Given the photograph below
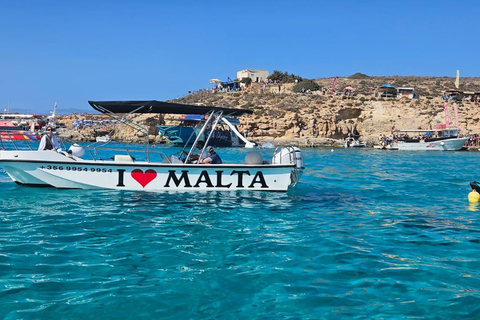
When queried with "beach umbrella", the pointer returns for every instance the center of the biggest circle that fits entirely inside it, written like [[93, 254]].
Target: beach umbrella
[[215, 81], [348, 88]]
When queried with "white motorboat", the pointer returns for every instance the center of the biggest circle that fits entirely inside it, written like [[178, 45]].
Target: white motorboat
[[105, 138], [440, 139], [392, 146], [151, 170], [353, 142]]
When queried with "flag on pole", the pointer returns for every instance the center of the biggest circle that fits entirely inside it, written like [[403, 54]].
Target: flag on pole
[[455, 109], [447, 118], [334, 84]]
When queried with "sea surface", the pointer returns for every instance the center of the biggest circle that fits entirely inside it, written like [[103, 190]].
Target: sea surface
[[366, 234]]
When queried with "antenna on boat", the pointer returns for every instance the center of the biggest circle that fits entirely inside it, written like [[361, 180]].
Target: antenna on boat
[[54, 113]]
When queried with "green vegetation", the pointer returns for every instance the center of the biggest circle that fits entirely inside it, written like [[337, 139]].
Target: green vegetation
[[247, 81], [284, 77], [400, 83], [358, 75], [306, 85]]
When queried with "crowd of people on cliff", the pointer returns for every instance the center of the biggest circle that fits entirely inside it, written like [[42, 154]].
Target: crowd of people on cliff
[[94, 124], [467, 98]]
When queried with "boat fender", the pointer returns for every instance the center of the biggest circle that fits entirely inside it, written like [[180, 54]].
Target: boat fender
[[473, 196], [253, 157], [76, 150]]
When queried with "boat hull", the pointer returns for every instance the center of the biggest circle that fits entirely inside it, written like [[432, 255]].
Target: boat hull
[[475, 186], [439, 145], [69, 172]]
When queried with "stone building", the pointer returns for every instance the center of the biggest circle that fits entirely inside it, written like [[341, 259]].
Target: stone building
[[255, 74]]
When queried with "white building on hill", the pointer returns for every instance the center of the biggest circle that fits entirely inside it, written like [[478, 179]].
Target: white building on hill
[[255, 74]]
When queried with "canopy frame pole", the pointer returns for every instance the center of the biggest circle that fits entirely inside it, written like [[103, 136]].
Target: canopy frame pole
[[129, 123]]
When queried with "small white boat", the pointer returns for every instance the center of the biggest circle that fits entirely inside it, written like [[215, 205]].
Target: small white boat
[[353, 142], [151, 170], [392, 146], [106, 138]]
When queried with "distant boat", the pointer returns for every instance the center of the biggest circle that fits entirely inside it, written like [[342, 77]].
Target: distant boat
[[353, 142], [18, 129], [105, 138], [16, 126], [185, 133], [440, 138], [386, 147], [9, 135]]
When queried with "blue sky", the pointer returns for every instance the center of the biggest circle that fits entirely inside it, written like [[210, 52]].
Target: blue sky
[[75, 51]]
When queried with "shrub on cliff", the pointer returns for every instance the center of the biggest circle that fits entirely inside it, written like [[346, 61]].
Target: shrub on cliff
[[358, 75], [284, 77], [247, 81], [306, 85]]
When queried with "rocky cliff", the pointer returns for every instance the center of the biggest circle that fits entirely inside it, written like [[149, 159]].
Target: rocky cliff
[[317, 119]]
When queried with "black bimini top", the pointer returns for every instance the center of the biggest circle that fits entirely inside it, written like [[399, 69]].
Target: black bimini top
[[153, 106]]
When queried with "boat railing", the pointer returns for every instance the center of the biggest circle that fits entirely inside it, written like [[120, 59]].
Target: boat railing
[[96, 153], [121, 154], [11, 143]]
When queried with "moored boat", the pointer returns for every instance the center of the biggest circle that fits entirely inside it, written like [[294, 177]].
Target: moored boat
[[353, 142], [19, 135], [226, 133], [151, 170], [104, 138], [475, 186], [440, 139]]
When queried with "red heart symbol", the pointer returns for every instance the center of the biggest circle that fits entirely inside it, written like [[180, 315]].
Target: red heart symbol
[[144, 178]]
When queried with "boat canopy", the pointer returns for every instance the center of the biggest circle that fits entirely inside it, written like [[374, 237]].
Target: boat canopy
[[153, 106]]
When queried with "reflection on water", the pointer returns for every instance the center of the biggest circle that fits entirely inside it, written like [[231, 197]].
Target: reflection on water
[[473, 206]]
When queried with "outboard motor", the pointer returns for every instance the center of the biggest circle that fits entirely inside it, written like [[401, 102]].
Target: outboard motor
[[288, 155]]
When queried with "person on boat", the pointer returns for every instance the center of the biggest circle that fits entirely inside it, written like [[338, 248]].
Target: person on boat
[[49, 141], [213, 157], [196, 157]]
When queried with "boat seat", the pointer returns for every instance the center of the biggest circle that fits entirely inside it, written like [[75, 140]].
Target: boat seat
[[123, 157]]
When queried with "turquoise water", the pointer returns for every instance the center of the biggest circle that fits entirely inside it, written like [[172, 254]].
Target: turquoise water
[[366, 234]]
